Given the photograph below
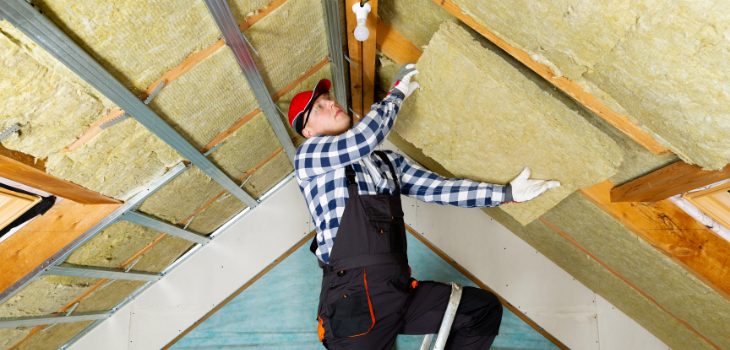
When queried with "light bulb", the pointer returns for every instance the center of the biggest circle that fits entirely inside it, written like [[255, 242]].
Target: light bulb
[[361, 33], [361, 13]]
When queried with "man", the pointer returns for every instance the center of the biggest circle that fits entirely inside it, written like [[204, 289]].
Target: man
[[353, 193]]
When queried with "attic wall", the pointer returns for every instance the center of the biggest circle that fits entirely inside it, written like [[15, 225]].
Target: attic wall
[[678, 291], [485, 120], [661, 62], [594, 276]]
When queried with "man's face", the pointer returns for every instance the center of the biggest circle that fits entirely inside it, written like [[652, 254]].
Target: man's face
[[327, 117]]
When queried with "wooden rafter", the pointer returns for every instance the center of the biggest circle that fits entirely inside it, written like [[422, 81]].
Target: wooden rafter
[[368, 59], [355, 53], [674, 233], [395, 47], [22, 168], [42, 237], [671, 180], [569, 87]]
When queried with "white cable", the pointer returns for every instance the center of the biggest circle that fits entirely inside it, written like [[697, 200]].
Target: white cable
[[696, 213]]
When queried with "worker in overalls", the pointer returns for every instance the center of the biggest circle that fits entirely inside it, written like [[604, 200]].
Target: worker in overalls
[[353, 193]]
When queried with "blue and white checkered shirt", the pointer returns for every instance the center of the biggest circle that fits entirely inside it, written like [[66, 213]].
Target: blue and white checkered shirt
[[320, 168]]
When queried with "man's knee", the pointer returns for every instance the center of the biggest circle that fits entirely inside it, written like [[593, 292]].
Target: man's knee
[[484, 308]]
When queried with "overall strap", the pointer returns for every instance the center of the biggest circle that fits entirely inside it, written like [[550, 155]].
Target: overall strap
[[386, 160], [350, 174]]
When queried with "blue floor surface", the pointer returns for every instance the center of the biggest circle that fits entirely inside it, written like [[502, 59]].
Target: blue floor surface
[[279, 310]]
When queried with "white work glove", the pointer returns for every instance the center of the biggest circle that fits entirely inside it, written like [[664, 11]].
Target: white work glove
[[402, 84], [524, 189]]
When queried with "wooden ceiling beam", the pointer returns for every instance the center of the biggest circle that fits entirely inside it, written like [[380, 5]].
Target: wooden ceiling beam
[[674, 233], [45, 235], [355, 54], [396, 47], [571, 88], [666, 182], [22, 168], [368, 59]]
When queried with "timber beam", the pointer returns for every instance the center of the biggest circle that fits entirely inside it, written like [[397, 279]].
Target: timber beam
[[666, 182]]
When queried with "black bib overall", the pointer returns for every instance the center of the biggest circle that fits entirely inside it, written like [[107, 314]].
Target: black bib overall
[[366, 282]]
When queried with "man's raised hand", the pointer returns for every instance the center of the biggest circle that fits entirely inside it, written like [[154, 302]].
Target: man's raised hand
[[402, 84], [524, 189]]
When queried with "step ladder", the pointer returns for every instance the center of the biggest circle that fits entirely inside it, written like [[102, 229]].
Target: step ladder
[[447, 321]]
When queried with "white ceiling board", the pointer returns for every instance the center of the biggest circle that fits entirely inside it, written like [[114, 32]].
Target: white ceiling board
[[619, 331], [113, 333], [212, 274]]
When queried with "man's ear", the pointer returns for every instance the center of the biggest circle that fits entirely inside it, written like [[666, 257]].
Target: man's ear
[[307, 133]]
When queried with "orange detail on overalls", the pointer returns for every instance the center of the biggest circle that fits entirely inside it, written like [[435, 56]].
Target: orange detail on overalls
[[414, 284], [372, 315], [320, 330]]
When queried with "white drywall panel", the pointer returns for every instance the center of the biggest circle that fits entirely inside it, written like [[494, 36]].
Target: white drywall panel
[[209, 276], [618, 331]]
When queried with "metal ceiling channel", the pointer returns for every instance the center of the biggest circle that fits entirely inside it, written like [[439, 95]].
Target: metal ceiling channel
[[332, 17], [100, 272], [61, 255], [179, 261], [234, 39], [32, 321], [157, 225], [43, 32]]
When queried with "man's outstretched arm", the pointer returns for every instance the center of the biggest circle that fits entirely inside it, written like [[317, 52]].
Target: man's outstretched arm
[[430, 187]]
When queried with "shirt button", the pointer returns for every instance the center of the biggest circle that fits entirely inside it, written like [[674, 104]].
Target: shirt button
[[332, 268], [332, 284]]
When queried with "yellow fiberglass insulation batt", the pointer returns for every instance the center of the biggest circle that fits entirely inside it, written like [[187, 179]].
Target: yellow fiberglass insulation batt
[[484, 120], [663, 63], [50, 110], [139, 41], [113, 246], [289, 41], [119, 162], [207, 99]]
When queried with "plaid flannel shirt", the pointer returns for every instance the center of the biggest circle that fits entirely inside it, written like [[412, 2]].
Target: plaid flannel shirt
[[320, 169]]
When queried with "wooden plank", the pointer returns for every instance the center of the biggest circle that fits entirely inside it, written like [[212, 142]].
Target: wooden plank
[[33, 177], [674, 233], [355, 51], [45, 235], [368, 59], [93, 130], [23, 158], [626, 280], [286, 254], [481, 285], [671, 180], [621, 122], [396, 47]]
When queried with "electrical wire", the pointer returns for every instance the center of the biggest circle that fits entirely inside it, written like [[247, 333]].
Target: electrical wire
[[362, 3]]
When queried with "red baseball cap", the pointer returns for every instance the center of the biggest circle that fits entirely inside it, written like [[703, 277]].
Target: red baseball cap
[[303, 102]]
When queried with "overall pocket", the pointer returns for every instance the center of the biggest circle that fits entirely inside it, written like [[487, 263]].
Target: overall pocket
[[352, 314]]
